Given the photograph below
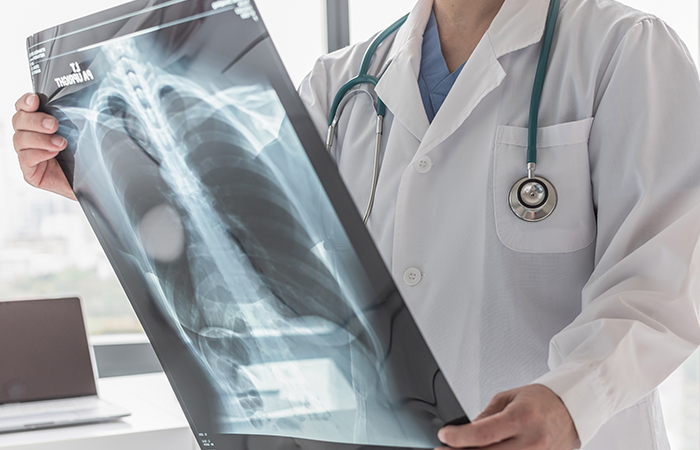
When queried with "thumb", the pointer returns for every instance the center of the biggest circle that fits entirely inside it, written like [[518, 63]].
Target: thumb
[[496, 405]]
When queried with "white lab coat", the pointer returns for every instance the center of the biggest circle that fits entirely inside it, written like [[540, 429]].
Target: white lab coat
[[600, 301]]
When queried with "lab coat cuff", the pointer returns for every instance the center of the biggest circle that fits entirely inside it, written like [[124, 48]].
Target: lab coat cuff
[[584, 393]]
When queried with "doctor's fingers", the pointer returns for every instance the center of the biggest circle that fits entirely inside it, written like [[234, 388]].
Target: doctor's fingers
[[34, 121], [533, 418], [41, 170], [518, 443], [25, 140], [496, 405], [485, 432], [27, 102], [30, 158]]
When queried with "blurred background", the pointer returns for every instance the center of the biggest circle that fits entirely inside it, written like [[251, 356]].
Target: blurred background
[[48, 249]]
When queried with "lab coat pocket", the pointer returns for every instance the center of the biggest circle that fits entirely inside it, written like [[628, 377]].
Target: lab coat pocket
[[562, 158]]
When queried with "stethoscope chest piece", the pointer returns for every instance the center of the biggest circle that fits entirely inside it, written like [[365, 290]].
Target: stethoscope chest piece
[[532, 198]]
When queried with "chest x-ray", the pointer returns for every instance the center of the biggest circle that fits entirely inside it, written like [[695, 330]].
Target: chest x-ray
[[232, 233]]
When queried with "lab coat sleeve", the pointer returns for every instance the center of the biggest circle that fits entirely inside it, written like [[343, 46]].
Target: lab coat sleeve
[[639, 320]]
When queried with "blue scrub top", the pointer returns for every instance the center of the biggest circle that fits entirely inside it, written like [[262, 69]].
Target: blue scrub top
[[434, 79]]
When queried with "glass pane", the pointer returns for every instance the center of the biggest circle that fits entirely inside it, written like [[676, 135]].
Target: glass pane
[[298, 30], [49, 250], [366, 19], [680, 399], [681, 15]]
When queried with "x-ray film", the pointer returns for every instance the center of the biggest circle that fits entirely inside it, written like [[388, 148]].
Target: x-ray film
[[233, 235]]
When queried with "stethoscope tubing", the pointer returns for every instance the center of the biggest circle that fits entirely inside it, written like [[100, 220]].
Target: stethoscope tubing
[[363, 76], [530, 214], [540, 75]]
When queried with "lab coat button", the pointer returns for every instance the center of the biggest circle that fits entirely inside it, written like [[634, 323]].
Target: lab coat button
[[423, 165], [412, 276]]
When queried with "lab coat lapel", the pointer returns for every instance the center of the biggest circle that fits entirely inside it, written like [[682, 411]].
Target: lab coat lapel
[[517, 25], [481, 74], [398, 86]]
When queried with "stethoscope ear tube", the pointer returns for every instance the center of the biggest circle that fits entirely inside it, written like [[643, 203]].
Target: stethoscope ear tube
[[364, 78], [380, 109]]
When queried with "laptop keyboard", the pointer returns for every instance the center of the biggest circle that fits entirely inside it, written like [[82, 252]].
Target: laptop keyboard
[[46, 407]]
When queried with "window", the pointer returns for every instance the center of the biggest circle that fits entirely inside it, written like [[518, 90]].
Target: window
[[298, 30], [681, 15], [366, 19], [680, 400]]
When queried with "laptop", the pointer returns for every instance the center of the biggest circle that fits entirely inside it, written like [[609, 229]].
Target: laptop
[[234, 237], [47, 376]]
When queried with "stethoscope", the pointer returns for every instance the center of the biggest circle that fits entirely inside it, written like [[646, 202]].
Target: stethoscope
[[532, 198]]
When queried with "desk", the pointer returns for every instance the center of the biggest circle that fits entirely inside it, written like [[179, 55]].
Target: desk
[[156, 422]]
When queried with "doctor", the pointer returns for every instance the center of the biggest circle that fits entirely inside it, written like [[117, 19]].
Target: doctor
[[554, 333], [597, 303]]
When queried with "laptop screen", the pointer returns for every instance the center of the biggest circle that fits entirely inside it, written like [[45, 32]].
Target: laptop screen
[[44, 351]]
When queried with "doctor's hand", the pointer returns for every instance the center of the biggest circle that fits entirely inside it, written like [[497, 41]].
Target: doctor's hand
[[37, 146], [530, 417]]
